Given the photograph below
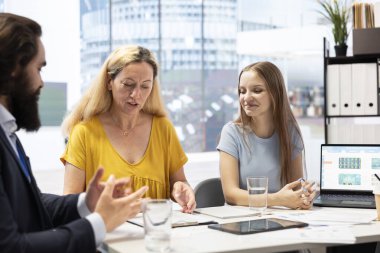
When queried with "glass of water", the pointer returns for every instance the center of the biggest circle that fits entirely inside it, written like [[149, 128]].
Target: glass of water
[[257, 188], [157, 215]]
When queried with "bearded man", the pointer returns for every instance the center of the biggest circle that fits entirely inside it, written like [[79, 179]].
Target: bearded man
[[31, 221]]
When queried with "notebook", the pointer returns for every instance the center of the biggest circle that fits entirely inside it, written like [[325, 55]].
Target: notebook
[[179, 219], [227, 211], [345, 176]]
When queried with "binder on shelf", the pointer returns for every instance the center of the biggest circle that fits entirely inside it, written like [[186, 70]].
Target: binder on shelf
[[363, 15], [370, 133], [371, 95], [332, 129], [358, 88], [333, 90], [376, 10], [364, 89], [357, 134], [345, 83]]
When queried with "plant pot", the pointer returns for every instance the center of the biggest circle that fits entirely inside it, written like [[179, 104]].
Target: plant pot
[[340, 50]]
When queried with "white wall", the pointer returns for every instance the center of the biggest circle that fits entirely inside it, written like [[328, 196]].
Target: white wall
[[60, 34]]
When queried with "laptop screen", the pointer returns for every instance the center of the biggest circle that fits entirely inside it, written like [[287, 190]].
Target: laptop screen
[[349, 167]]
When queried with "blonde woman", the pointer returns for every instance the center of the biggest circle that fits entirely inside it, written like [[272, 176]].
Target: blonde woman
[[265, 140], [121, 124]]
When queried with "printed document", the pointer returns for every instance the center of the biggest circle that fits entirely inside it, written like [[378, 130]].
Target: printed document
[[227, 211], [179, 219]]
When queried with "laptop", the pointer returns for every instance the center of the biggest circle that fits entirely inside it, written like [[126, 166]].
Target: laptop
[[346, 173]]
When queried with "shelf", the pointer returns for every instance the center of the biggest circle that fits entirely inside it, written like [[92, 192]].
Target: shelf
[[352, 116], [359, 128], [353, 59]]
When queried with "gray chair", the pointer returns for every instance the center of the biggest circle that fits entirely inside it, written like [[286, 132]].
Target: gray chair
[[209, 193]]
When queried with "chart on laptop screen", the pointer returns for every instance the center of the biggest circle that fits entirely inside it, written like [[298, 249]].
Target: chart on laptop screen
[[346, 167]]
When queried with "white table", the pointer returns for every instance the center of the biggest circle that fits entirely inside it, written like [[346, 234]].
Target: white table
[[130, 238]]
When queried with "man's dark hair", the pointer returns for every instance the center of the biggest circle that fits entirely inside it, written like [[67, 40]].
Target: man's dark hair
[[18, 46]]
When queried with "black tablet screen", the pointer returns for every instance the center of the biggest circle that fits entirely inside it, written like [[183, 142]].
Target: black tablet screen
[[257, 226]]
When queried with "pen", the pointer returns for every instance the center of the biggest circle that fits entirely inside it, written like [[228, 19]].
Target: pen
[[303, 181], [195, 224], [378, 178]]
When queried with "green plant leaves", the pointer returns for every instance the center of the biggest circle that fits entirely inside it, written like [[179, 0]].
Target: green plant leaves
[[337, 13]]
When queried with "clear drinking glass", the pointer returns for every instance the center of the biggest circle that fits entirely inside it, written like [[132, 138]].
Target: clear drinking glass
[[257, 188], [157, 214]]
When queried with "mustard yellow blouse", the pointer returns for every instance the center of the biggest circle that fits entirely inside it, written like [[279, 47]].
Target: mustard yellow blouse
[[89, 147]]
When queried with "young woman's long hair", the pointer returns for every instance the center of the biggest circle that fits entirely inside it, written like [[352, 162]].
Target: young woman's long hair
[[98, 99], [283, 117]]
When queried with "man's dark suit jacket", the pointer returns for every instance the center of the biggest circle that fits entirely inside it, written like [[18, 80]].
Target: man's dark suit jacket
[[31, 221]]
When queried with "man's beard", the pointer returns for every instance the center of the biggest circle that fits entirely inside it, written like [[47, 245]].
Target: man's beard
[[23, 104]]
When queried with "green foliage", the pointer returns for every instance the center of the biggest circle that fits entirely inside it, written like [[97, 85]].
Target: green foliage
[[337, 13]]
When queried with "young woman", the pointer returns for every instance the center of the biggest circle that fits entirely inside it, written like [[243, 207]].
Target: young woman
[[264, 141]]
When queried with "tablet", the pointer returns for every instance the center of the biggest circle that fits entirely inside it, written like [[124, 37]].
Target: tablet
[[257, 226]]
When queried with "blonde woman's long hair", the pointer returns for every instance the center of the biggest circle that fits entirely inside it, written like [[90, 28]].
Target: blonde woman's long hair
[[98, 99], [283, 117]]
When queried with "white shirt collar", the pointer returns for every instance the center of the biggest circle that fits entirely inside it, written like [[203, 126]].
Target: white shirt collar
[[7, 121]]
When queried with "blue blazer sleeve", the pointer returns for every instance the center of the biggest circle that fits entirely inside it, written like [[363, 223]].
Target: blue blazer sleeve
[[34, 222], [61, 209]]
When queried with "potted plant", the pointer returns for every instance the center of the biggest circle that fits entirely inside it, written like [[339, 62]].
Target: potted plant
[[337, 13]]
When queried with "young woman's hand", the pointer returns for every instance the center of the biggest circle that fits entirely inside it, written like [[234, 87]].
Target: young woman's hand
[[290, 197], [311, 191]]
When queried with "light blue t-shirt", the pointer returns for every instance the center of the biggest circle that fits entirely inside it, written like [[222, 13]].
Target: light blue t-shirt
[[261, 158]]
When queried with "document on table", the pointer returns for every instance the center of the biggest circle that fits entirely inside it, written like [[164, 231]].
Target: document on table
[[225, 212], [327, 234], [332, 216], [179, 219], [320, 234]]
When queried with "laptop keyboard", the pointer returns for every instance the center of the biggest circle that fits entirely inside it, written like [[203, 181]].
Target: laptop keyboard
[[344, 197]]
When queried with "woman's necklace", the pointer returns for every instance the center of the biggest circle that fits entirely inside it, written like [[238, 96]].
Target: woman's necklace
[[123, 132]]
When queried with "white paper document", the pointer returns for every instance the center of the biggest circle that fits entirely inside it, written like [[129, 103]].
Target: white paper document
[[330, 216], [179, 219], [225, 212], [320, 234], [327, 235]]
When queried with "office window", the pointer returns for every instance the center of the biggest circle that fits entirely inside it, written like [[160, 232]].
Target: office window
[[201, 48], [52, 104]]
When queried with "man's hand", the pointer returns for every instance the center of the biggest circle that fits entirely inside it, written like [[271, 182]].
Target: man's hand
[[116, 211], [184, 196], [95, 189]]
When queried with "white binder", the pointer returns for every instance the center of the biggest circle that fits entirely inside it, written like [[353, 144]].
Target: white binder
[[332, 130], [376, 10], [333, 93], [371, 95], [364, 89], [358, 88], [345, 82]]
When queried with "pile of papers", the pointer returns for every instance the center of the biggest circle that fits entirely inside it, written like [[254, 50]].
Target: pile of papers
[[328, 225], [179, 219], [332, 217], [227, 212]]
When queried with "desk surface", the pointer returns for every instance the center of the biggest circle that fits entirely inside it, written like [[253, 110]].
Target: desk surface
[[130, 238]]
